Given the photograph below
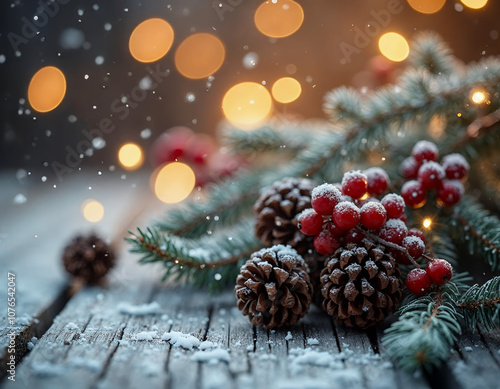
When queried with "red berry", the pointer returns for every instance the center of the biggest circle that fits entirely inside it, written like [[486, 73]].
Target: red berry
[[354, 184], [418, 282], [403, 218], [394, 230], [199, 148], [416, 232], [455, 166], [425, 151], [171, 145], [450, 192], [324, 198], [414, 194], [378, 180], [440, 271], [334, 230], [309, 222], [373, 215], [394, 205], [360, 203], [409, 168], [353, 236], [325, 243], [431, 174], [414, 245], [346, 215]]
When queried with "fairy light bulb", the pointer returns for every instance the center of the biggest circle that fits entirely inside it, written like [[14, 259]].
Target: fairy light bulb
[[46, 89], [474, 4], [426, 6], [130, 156], [478, 97], [173, 182], [278, 18], [92, 210], [394, 46], [427, 223], [199, 56], [151, 40]]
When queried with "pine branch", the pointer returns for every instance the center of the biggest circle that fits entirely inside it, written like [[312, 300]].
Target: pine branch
[[441, 245], [428, 51], [212, 261], [481, 304], [427, 328], [478, 229], [479, 127]]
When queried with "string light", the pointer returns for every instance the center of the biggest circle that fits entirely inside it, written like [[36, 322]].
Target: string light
[[393, 46], [47, 89], [199, 56], [478, 96], [151, 40], [92, 210], [130, 156], [247, 105], [278, 18], [173, 182], [427, 223]]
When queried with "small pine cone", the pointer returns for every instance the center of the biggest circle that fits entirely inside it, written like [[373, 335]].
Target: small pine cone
[[273, 287], [88, 258], [361, 285], [277, 209]]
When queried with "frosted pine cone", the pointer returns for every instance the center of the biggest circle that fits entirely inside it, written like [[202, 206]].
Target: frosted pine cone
[[361, 285], [273, 287], [88, 257], [276, 211]]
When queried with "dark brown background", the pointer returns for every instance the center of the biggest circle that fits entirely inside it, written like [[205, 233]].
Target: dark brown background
[[314, 50]]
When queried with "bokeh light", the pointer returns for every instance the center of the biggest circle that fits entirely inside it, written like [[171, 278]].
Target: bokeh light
[[151, 40], [426, 6], [278, 18], [47, 89], [247, 105], [393, 46], [173, 182], [199, 56], [427, 223], [130, 156], [474, 4], [92, 210], [286, 89]]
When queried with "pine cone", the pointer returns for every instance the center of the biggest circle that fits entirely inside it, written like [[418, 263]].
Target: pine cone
[[277, 209], [273, 287], [361, 285], [88, 257]]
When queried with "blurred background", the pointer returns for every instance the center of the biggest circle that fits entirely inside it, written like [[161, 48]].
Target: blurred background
[[124, 77]]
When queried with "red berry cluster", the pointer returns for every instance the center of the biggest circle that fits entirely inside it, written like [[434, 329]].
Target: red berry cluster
[[197, 150], [338, 215], [438, 271], [426, 174]]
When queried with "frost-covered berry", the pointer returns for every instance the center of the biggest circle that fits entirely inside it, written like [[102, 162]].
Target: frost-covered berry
[[439, 271], [414, 245], [416, 232], [378, 181], [425, 151], [394, 205], [409, 168], [418, 282], [309, 222], [346, 215], [354, 184], [450, 192], [414, 194], [324, 198], [394, 230], [325, 243], [334, 230], [431, 174], [373, 215], [455, 166], [354, 235]]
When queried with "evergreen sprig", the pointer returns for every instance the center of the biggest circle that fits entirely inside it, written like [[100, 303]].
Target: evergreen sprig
[[481, 304], [478, 229], [426, 329], [428, 51]]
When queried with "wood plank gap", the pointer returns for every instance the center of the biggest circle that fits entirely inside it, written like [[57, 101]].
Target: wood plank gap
[[487, 345], [110, 356], [373, 338], [336, 335], [36, 328], [254, 338]]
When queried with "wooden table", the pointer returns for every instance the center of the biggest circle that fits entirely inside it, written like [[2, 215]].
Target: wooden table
[[123, 335]]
